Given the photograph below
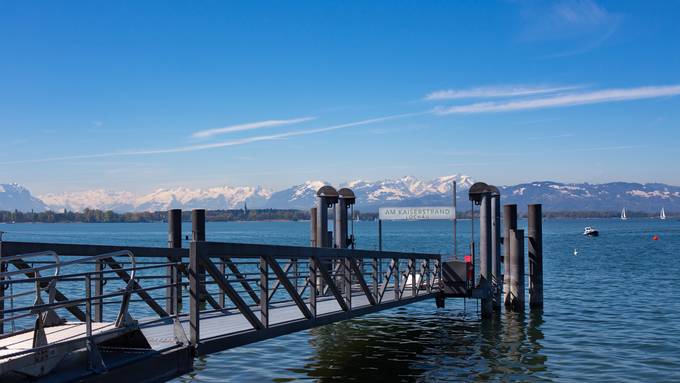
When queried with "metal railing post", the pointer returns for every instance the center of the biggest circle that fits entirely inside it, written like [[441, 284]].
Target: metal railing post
[[397, 296], [374, 277], [348, 280], [264, 291], [312, 286], [88, 305], [98, 291], [414, 283], [196, 251], [223, 270]]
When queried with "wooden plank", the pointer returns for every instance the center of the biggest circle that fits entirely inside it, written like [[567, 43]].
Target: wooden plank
[[283, 278], [210, 267]]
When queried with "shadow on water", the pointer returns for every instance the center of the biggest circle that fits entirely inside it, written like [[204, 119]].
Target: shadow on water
[[419, 346]]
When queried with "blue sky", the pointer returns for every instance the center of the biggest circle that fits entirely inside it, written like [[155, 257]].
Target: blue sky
[[140, 95]]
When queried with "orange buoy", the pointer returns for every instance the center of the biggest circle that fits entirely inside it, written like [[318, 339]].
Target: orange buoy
[[655, 238]]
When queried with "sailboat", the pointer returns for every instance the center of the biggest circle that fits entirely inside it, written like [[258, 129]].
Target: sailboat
[[663, 214], [623, 214]]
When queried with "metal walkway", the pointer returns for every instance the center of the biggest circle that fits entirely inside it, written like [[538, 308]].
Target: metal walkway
[[143, 313]]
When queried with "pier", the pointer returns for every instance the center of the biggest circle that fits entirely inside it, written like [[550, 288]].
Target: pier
[[83, 312]]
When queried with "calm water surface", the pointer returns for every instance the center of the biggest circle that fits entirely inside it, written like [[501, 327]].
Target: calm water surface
[[612, 312]]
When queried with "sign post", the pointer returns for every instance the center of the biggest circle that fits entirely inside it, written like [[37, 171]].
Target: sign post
[[415, 214]]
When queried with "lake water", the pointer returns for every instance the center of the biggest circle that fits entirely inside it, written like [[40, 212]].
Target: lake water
[[612, 312]]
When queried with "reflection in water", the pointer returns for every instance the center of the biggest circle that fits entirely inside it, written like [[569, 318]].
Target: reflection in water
[[444, 345]]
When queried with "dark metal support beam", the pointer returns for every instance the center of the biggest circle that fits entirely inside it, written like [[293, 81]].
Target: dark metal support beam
[[362, 282], [281, 276], [122, 274], [331, 285], [223, 284]]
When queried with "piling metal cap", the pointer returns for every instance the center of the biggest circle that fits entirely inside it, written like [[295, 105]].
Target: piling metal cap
[[327, 191], [494, 191], [480, 189], [347, 195]]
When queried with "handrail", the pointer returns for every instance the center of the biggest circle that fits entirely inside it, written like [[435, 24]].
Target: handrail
[[72, 262], [21, 257]]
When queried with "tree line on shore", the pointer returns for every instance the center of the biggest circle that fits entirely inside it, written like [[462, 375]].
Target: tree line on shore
[[108, 216]]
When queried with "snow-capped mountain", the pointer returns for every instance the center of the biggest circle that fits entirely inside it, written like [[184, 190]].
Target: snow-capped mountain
[[391, 192], [225, 197], [99, 199], [16, 197], [405, 191], [595, 197], [297, 197]]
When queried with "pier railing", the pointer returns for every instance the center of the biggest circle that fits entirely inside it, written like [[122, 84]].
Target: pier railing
[[259, 280], [282, 288]]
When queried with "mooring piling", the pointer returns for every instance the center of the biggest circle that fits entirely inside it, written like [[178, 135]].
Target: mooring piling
[[346, 199], [509, 224], [312, 226], [485, 250], [517, 270], [172, 294], [327, 196], [535, 240], [198, 235], [496, 284], [198, 225]]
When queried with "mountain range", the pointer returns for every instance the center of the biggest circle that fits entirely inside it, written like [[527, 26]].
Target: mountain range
[[405, 191]]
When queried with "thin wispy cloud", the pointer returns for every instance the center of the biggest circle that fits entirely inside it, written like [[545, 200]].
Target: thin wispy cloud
[[556, 136], [580, 26], [249, 126], [605, 148], [496, 92], [223, 144], [573, 99]]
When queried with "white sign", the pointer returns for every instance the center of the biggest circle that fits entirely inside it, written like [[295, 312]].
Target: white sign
[[416, 213]]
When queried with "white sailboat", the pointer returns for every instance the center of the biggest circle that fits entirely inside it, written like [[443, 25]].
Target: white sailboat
[[623, 214], [663, 214]]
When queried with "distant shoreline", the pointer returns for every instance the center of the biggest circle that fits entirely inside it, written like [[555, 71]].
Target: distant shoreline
[[259, 215]]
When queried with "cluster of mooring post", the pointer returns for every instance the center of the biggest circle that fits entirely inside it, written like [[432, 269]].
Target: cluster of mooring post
[[327, 197], [493, 288], [341, 200]]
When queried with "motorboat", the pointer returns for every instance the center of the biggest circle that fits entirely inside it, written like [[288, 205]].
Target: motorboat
[[591, 231]]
